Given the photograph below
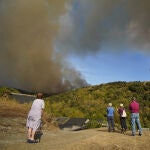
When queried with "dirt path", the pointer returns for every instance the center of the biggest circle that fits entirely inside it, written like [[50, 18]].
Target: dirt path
[[91, 139]]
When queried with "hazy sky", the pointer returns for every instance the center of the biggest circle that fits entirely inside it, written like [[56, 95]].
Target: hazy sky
[[56, 45]]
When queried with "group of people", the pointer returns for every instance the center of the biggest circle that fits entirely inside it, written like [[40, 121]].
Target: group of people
[[36, 112], [135, 120]]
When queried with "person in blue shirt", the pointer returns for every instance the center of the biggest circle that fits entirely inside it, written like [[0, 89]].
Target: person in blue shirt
[[110, 117]]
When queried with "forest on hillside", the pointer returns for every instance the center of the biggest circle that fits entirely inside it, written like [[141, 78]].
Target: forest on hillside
[[91, 102]]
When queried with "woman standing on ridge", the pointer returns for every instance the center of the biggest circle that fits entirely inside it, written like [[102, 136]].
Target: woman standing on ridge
[[123, 115], [34, 117]]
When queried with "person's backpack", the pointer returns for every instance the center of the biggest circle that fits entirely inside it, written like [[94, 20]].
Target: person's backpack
[[123, 114]]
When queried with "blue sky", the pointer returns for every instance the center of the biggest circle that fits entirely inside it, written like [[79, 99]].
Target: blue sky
[[107, 66]]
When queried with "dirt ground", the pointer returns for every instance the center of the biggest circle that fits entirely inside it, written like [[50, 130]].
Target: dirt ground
[[13, 134], [13, 137]]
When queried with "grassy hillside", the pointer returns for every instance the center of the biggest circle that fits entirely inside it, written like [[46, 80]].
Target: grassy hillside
[[91, 101]]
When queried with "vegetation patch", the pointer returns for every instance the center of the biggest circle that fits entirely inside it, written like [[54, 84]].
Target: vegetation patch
[[91, 102]]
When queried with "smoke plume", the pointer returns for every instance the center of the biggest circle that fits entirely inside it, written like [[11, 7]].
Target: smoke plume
[[27, 57], [115, 24], [37, 37]]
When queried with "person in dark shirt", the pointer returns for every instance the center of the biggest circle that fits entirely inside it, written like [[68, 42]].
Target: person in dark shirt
[[135, 119]]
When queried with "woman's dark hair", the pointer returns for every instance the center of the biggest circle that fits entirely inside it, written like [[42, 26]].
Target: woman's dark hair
[[39, 95]]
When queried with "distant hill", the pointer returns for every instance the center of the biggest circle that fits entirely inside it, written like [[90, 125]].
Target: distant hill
[[91, 101]]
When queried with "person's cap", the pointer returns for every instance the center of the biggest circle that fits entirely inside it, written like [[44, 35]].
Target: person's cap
[[121, 105], [134, 98], [110, 104]]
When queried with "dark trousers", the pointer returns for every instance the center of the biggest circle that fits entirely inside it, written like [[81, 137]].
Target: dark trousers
[[110, 120], [123, 123]]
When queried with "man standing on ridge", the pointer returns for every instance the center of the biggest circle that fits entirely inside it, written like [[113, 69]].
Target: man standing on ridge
[[135, 119]]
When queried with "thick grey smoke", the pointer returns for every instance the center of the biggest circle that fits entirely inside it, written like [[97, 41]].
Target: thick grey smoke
[[37, 36], [27, 57], [89, 25]]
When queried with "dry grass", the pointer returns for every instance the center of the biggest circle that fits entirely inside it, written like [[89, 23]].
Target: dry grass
[[10, 108]]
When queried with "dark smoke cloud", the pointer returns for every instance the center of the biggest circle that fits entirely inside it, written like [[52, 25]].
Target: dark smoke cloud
[[37, 36], [116, 24], [138, 28], [27, 57]]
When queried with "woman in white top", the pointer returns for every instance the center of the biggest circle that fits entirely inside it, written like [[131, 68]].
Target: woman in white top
[[34, 117]]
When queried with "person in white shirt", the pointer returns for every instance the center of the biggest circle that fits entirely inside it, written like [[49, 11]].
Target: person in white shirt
[[34, 117]]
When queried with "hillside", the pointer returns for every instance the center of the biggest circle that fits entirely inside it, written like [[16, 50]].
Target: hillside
[[91, 101]]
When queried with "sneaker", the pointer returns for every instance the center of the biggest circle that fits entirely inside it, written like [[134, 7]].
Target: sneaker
[[28, 140], [121, 130], [33, 141], [133, 135], [109, 130], [140, 134], [124, 132]]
